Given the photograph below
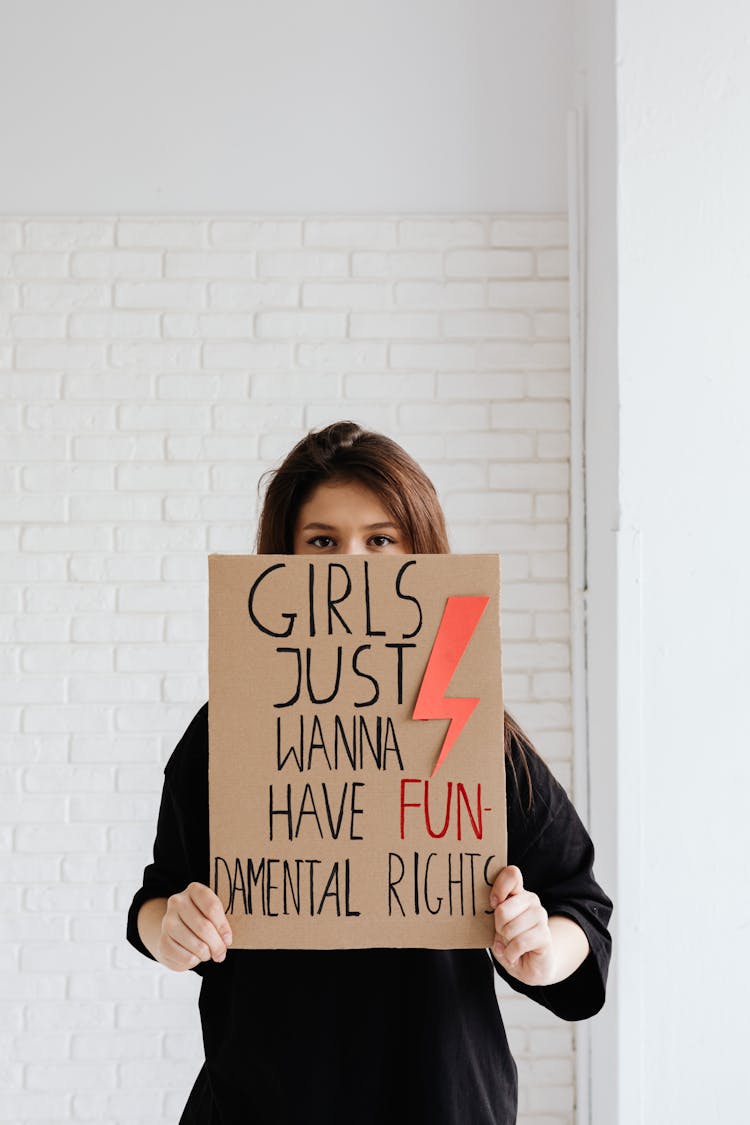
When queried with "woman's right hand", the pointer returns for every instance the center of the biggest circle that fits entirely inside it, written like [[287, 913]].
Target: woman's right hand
[[194, 929]]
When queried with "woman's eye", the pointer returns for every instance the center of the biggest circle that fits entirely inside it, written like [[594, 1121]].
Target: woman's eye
[[381, 540], [321, 541]]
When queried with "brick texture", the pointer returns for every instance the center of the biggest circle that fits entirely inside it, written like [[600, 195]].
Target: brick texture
[[151, 370]]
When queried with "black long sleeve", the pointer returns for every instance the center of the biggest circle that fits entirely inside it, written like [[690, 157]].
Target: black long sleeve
[[551, 847], [181, 852], [358, 1037]]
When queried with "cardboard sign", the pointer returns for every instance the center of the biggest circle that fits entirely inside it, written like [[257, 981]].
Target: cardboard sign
[[356, 767]]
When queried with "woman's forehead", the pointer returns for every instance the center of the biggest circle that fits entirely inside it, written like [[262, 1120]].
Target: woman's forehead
[[332, 501]]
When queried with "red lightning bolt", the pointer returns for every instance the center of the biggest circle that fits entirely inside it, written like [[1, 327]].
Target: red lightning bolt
[[460, 618]]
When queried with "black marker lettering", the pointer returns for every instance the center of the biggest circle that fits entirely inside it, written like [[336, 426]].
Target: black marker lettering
[[334, 692], [284, 810], [347, 893], [392, 892], [455, 881], [432, 909], [400, 646], [408, 597], [333, 602], [293, 698], [311, 596], [292, 752], [355, 809], [331, 891], [290, 617], [307, 798], [365, 676], [488, 879], [220, 860], [369, 631]]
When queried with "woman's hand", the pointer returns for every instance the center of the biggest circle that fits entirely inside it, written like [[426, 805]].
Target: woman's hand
[[194, 929], [532, 947]]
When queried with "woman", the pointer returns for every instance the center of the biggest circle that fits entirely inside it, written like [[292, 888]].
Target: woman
[[359, 1037]]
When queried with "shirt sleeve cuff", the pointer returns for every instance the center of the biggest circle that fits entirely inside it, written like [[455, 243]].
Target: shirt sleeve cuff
[[580, 995]]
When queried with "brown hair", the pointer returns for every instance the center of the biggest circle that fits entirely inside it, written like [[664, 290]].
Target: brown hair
[[345, 452]]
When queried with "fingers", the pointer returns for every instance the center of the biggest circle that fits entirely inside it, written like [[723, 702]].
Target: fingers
[[175, 956], [508, 882], [209, 905], [521, 922], [523, 913], [527, 932], [184, 937], [195, 928], [536, 939]]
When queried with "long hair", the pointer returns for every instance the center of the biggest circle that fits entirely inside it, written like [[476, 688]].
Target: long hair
[[344, 452]]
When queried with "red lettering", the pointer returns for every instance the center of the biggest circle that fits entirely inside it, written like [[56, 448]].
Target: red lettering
[[407, 804], [456, 800]]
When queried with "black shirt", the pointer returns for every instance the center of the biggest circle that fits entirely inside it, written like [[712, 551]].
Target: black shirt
[[366, 1036]]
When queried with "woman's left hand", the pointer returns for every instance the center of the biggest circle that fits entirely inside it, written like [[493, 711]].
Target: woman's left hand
[[532, 947], [523, 942]]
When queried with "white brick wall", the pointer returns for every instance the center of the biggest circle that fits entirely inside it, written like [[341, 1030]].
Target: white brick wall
[[151, 370]]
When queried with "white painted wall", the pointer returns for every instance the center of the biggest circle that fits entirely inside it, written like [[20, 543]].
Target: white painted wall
[[124, 401], [290, 106], [152, 370], [670, 175], [595, 96], [684, 289]]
